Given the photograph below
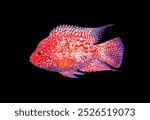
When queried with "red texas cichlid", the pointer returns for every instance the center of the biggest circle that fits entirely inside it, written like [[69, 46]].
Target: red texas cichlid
[[72, 50]]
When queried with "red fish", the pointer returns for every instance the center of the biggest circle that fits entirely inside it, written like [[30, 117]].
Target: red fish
[[72, 50]]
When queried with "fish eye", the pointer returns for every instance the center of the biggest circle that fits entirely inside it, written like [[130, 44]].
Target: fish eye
[[39, 53]]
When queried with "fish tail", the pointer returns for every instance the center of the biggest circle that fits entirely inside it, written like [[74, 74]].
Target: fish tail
[[111, 52]]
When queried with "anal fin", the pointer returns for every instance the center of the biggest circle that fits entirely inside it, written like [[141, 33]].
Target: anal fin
[[95, 65]]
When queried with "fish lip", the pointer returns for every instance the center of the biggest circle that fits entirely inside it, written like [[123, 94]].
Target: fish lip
[[31, 60]]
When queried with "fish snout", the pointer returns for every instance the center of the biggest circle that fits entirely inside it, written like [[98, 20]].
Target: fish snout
[[32, 58]]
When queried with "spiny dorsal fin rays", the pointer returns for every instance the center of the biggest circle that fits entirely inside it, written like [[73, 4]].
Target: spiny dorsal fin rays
[[65, 27], [97, 32]]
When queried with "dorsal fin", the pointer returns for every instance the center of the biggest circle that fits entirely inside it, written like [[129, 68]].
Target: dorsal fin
[[94, 33], [65, 27], [97, 32]]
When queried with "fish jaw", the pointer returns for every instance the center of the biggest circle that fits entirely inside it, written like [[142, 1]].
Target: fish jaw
[[41, 62], [33, 58]]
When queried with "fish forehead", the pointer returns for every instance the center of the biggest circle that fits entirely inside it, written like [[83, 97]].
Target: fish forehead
[[71, 36], [66, 40], [62, 41]]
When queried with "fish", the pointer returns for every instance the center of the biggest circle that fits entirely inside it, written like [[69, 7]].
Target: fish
[[72, 50]]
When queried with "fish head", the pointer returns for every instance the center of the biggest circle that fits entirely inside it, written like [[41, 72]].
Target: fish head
[[41, 57]]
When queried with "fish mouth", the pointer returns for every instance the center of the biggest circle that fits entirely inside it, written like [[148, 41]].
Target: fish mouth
[[31, 59]]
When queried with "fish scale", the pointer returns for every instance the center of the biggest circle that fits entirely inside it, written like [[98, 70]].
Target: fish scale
[[70, 49]]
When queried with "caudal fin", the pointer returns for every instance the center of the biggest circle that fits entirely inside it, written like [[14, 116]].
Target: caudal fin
[[111, 52]]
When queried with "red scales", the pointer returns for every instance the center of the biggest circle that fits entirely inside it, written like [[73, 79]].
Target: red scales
[[68, 49]]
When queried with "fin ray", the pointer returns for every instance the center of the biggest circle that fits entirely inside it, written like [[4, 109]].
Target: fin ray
[[71, 73], [111, 52], [95, 65], [96, 33]]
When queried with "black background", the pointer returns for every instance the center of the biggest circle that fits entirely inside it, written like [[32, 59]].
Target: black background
[[26, 24]]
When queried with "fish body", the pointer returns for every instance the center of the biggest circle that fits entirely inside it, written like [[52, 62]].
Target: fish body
[[70, 49]]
